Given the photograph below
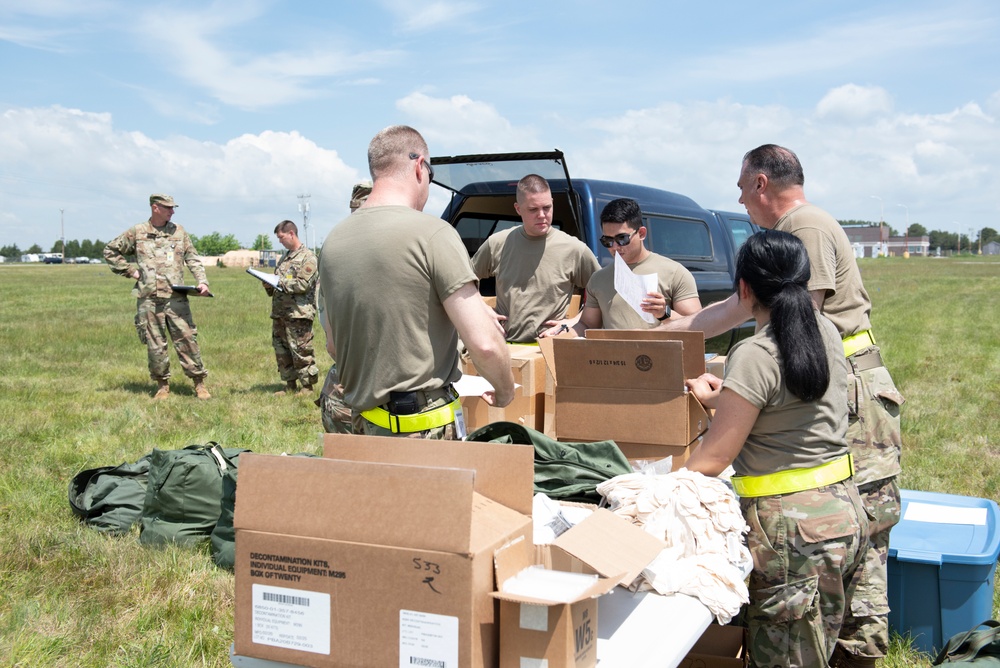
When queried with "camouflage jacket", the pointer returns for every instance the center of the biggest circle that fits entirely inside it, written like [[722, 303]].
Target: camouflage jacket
[[159, 253], [297, 276]]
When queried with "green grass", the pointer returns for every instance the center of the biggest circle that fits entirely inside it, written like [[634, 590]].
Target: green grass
[[75, 394]]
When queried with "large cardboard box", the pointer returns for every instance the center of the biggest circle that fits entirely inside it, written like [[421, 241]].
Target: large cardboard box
[[528, 406], [628, 386], [718, 647], [538, 631], [380, 557]]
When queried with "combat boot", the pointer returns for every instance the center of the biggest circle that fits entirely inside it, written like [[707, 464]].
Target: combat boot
[[200, 391], [162, 390], [306, 390], [289, 387]]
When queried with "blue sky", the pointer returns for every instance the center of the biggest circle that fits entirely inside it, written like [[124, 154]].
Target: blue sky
[[237, 108]]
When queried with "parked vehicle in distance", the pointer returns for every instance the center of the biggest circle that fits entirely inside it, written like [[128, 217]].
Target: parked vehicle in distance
[[483, 189], [52, 259], [95, 260]]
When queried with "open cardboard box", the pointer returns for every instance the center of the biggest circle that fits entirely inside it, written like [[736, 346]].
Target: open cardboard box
[[382, 550], [536, 631], [528, 406], [627, 386]]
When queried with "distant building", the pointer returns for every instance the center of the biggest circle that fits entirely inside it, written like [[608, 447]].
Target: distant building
[[992, 248], [868, 241], [916, 246]]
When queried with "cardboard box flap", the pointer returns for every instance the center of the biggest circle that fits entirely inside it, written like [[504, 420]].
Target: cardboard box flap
[[504, 472], [619, 364], [517, 555], [363, 502], [545, 345], [611, 545], [694, 344]]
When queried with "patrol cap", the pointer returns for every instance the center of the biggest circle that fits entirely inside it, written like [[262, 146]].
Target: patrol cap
[[165, 200], [360, 193]]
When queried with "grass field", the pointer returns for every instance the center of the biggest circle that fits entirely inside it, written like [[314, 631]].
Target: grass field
[[75, 394]]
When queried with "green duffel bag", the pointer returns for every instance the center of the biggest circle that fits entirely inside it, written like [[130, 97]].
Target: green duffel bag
[[184, 493], [110, 498], [224, 534], [564, 471]]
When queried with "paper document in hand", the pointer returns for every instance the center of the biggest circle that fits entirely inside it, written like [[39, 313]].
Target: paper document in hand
[[474, 386], [633, 287], [270, 279]]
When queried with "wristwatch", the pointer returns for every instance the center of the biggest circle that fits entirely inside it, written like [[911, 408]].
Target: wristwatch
[[666, 314]]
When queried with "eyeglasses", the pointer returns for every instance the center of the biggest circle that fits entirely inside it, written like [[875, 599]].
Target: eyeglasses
[[427, 163], [620, 239]]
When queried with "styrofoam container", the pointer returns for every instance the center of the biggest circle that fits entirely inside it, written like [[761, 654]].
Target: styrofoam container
[[942, 562]]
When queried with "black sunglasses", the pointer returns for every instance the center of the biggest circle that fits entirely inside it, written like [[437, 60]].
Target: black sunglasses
[[427, 163], [620, 239]]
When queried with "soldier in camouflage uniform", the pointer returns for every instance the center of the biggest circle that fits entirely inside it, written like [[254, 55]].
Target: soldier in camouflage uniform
[[293, 308], [161, 249], [335, 412], [771, 188], [780, 420]]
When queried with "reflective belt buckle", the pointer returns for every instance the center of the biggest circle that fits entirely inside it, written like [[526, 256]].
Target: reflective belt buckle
[[794, 480]]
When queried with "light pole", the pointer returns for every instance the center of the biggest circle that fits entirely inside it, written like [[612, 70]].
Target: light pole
[[906, 251], [955, 223], [62, 235], [881, 217]]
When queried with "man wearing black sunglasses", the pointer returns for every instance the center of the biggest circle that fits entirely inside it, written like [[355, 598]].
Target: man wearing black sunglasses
[[624, 235], [537, 266]]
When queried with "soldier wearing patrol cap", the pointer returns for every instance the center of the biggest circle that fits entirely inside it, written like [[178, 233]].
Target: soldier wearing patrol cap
[[293, 309], [160, 249]]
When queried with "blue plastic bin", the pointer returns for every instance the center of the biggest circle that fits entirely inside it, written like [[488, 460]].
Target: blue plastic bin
[[941, 574]]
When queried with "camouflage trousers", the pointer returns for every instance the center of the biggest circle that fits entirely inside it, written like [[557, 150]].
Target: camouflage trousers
[[333, 409], [806, 547], [875, 441], [160, 317], [292, 340], [446, 432]]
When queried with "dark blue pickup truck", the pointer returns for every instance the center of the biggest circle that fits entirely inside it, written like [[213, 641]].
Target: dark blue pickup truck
[[482, 203]]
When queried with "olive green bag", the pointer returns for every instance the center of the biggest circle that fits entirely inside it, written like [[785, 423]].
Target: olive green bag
[[110, 498], [184, 493], [564, 471]]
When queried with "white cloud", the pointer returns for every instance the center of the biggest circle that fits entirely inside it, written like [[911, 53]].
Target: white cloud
[[421, 17], [852, 103], [102, 176], [246, 79], [464, 125]]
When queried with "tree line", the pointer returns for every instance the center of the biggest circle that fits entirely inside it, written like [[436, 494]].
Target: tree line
[[209, 244]]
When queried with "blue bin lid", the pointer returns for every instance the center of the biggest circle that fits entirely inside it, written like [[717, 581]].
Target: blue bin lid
[[946, 542]]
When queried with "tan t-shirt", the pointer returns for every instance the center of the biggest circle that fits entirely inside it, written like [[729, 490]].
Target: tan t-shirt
[[789, 433], [535, 276], [386, 272], [674, 282], [833, 267]]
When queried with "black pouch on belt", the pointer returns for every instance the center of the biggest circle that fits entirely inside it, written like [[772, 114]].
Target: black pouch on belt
[[403, 403]]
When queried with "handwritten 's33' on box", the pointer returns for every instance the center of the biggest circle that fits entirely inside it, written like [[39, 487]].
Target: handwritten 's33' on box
[[535, 631], [628, 386], [379, 554]]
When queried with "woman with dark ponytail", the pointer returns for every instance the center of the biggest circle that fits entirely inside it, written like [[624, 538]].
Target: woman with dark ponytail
[[781, 420]]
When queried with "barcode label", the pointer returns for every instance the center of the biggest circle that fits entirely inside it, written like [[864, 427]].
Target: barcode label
[[284, 598], [427, 639], [433, 663], [291, 618]]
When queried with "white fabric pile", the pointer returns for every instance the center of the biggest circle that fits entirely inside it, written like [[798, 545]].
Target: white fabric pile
[[699, 518]]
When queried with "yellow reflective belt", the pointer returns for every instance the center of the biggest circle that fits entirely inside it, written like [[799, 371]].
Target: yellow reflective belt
[[853, 344], [407, 424], [794, 480]]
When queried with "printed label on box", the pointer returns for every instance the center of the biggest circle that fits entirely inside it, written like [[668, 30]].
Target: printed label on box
[[427, 640], [291, 618], [534, 617]]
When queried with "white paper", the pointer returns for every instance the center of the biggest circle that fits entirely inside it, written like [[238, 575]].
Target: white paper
[[427, 640], [270, 279], [474, 386], [633, 287], [291, 618], [935, 514]]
